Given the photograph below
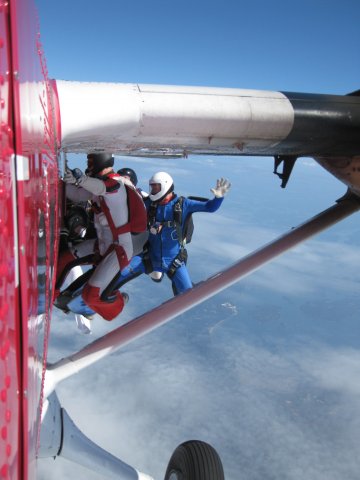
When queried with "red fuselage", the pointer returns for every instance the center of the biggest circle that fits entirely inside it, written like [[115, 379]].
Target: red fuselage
[[28, 196]]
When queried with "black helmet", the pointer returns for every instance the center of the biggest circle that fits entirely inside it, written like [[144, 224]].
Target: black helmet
[[97, 162], [128, 172]]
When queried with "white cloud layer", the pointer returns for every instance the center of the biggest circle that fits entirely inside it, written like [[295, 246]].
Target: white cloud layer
[[266, 371]]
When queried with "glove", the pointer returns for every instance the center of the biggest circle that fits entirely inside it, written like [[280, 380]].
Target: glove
[[73, 177], [222, 187]]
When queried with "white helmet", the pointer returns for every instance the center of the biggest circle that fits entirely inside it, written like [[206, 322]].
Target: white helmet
[[160, 184]]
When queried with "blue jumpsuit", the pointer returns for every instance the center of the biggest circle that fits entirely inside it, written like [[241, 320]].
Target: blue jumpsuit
[[163, 248]]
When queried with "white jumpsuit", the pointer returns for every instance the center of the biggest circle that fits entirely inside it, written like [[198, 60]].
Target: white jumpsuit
[[113, 191]]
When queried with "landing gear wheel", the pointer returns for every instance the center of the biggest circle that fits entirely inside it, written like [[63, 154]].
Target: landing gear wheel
[[195, 460]]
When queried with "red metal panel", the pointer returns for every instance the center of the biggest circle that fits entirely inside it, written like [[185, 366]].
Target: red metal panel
[[10, 377], [28, 202]]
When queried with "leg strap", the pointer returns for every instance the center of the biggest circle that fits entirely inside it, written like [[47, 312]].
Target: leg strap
[[180, 258]]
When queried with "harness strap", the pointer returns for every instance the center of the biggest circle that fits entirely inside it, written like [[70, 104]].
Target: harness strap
[[152, 214], [116, 231], [120, 253], [147, 260], [178, 215], [181, 258], [175, 223]]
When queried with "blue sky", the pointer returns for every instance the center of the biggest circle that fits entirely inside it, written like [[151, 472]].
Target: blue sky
[[309, 46], [271, 365]]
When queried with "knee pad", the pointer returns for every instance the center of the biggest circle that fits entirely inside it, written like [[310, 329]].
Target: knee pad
[[91, 296]]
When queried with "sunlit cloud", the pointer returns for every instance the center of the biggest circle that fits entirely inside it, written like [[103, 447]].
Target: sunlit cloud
[[266, 371]]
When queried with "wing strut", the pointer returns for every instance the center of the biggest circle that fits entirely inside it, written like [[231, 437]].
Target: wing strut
[[152, 319], [61, 437]]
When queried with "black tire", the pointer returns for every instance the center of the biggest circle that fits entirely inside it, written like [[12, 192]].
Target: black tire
[[194, 460]]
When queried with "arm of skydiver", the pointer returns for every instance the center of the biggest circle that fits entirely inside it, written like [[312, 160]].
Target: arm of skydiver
[[77, 178], [76, 194], [222, 187], [220, 190]]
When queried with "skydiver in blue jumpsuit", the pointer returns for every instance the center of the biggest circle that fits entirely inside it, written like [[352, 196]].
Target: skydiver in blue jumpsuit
[[165, 249]]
